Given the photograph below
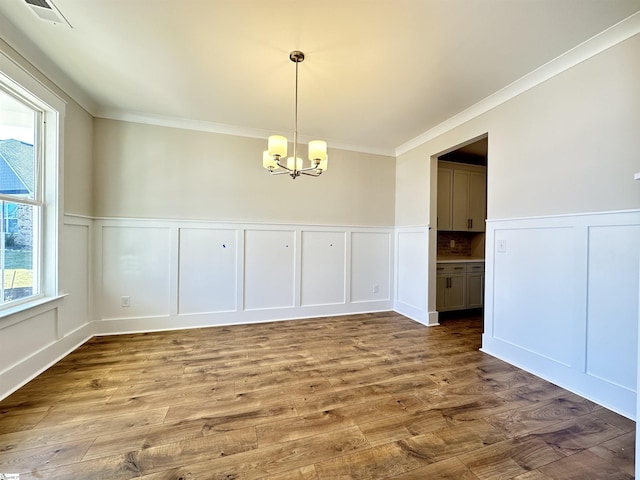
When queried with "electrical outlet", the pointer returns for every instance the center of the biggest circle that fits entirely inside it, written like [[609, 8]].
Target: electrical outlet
[[125, 301], [453, 244], [501, 246], [375, 289]]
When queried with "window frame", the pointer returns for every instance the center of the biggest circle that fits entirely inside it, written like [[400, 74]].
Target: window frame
[[23, 85]]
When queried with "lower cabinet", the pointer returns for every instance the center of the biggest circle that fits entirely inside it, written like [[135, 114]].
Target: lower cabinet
[[459, 286]]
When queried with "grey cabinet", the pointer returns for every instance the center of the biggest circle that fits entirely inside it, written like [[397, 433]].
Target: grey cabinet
[[475, 284], [462, 197], [451, 286], [459, 285]]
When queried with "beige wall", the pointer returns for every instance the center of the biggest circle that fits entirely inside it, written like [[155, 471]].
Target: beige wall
[[569, 145], [78, 161], [148, 171]]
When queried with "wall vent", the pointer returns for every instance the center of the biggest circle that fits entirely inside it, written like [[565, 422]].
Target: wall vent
[[46, 10]]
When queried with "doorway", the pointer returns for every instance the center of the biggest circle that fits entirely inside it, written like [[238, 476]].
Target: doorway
[[460, 230]]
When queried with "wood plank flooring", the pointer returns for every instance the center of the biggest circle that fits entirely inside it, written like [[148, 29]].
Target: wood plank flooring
[[354, 397]]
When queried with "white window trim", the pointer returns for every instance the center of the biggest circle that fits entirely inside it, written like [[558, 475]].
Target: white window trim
[[27, 85]]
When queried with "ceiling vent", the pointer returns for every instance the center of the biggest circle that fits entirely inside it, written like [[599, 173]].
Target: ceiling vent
[[46, 10]]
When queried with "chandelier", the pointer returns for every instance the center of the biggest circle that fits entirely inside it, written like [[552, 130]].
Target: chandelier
[[272, 159]]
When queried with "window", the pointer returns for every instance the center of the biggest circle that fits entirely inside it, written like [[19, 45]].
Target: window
[[20, 198], [31, 140]]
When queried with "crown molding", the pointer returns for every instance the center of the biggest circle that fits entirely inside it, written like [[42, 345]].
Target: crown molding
[[225, 129], [17, 41], [606, 39]]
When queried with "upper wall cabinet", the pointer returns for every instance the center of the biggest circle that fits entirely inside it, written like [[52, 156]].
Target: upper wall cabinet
[[462, 197]]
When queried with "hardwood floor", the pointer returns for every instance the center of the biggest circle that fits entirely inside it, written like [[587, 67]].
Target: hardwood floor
[[364, 396]]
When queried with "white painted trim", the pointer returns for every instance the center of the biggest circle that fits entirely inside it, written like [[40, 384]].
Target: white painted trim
[[24, 47], [225, 129], [572, 375], [14, 74], [205, 223], [41, 360], [20, 312], [608, 38], [561, 216], [115, 326]]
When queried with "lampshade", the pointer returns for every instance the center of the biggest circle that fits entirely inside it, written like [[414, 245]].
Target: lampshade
[[298, 165], [268, 161], [278, 146], [317, 150], [324, 163]]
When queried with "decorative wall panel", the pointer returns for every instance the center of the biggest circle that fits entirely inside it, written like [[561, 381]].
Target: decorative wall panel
[[136, 263], [370, 266], [412, 267], [269, 269], [208, 277], [612, 313], [562, 301], [537, 280], [323, 278]]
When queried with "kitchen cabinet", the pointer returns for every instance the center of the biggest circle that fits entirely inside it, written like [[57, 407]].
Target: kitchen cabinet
[[445, 198], [462, 197], [475, 284], [451, 285], [459, 285]]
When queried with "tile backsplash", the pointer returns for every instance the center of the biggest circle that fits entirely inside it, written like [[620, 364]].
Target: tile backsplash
[[462, 247]]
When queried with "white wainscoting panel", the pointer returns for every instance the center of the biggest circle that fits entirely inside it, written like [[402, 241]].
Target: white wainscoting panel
[[323, 277], [612, 320], [75, 275], [136, 262], [207, 273], [269, 269], [544, 263], [18, 341], [208, 276], [370, 266], [412, 266], [561, 301]]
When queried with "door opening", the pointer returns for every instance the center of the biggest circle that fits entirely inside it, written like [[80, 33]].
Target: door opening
[[461, 215]]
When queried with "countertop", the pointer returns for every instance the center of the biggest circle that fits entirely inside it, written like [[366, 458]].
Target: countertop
[[459, 259]]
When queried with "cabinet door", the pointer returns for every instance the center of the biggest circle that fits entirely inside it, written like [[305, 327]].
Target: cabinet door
[[456, 293], [475, 290], [441, 292], [460, 200], [477, 210], [445, 186]]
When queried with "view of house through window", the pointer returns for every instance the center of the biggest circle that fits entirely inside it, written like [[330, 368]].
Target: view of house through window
[[20, 199]]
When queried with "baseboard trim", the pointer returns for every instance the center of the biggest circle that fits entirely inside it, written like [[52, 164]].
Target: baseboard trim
[[22, 373]]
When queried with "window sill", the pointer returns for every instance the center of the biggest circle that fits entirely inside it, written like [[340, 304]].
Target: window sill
[[18, 313]]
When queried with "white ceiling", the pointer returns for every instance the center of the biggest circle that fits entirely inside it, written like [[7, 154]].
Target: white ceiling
[[377, 73]]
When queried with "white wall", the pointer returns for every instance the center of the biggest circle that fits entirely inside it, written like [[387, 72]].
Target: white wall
[[563, 301], [182, 274], [568, 146]]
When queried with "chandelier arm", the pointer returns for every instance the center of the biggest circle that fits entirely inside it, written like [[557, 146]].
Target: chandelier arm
[[308, 169], [274, 172], [281, 165], [316, 173]]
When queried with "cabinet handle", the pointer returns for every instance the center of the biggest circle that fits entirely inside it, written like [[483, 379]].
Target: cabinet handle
[[469, 222]]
